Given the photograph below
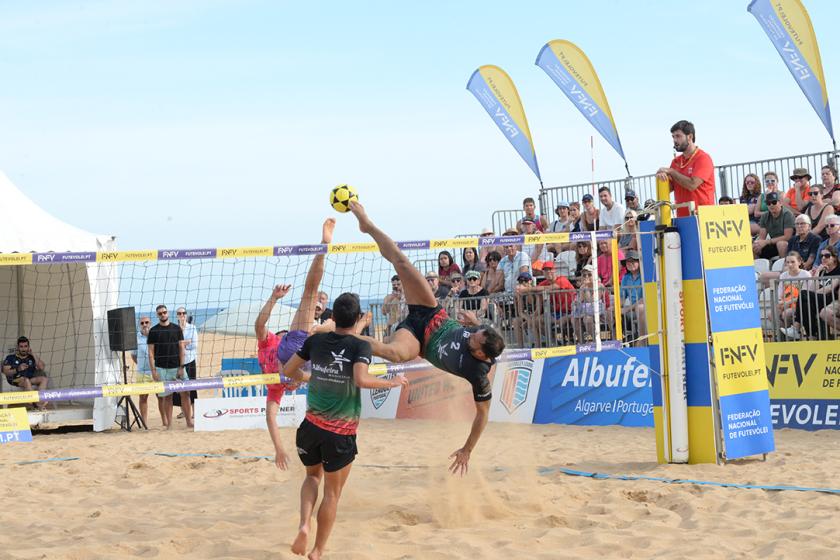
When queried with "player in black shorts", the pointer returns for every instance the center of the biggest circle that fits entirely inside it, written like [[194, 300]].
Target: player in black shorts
[[465, 349], [326, 440]]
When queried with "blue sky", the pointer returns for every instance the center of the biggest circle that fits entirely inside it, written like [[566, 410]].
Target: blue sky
[[222, 123]]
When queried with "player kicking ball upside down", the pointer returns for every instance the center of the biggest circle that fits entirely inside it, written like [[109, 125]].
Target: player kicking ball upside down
[[467, 350], [326, 440]]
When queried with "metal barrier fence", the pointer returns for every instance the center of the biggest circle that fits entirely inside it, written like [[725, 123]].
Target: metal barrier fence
[[502, 220], [537, 318], [730, 178], [800, 309]]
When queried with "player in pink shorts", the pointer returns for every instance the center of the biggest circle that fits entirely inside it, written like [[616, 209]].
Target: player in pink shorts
[[274, 351]]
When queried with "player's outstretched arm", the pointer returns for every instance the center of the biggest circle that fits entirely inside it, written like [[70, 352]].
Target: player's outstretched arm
[[365, 380], [461, 457], [277, 293]]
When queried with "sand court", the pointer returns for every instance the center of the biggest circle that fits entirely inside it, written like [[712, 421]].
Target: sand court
[[121, 500]]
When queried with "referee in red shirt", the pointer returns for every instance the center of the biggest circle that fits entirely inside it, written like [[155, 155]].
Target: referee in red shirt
[[692, 173]]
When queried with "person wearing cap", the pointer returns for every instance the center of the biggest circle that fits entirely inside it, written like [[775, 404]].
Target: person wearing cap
[[692, 173], [775, 229], [439, 290], [588, 214], [474, 296], [631, 201], [632, 301], [457, 286], [611, 215], [799, 194], [562, 223], [530, 209]]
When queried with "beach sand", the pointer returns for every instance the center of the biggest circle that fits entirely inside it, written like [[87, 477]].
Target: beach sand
[[119, 500]]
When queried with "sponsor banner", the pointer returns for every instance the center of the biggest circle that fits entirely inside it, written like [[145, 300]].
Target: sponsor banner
[[804, 380], [125, 256], [597, 389], [19, 397], [233, 252], [433, 394], [14, 425], [497, 94], [44, 258], [408, 245], [246, 413], [175, 254], [15, 258], [381, 403], [739, 361], [737, 344], [368, 247], [132, 389], [11, 259], [746, 424], [516, 386]]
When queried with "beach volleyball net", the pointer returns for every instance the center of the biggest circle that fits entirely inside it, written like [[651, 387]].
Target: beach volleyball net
[[60, 300]]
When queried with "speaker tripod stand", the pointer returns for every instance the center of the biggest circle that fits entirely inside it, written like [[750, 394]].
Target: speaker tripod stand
[[126, 401]]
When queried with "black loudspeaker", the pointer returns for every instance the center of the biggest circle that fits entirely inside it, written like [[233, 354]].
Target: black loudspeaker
[[122, 329]]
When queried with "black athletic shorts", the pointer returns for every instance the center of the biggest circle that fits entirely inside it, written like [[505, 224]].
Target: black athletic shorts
[[316, 445], [419, 317]]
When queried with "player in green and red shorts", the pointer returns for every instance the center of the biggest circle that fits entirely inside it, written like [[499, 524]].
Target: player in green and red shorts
[[467, 350], [326, 440]]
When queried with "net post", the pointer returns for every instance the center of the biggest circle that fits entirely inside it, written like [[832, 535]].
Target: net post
[[619, 335]]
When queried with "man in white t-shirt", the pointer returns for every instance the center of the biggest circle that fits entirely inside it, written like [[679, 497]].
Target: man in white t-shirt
[[611, 215]]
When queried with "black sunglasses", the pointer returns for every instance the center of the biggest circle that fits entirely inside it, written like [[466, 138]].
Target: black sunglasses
[[773, 203], [825, 255]]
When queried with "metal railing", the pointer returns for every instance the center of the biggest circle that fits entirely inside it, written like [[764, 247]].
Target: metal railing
[[538, 318], [730, 178], [800, 309], [502, 220]]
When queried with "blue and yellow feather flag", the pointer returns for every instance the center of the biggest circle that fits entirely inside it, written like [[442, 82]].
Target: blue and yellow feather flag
[[574, 74], [789, 27], [495, 91]]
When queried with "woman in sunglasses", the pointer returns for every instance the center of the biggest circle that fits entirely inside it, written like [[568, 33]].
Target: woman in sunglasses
[[750, 195], [771, 184], [817, 305], [818, 211]]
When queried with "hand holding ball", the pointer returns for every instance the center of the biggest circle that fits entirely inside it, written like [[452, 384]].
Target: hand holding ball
[[341, 196]]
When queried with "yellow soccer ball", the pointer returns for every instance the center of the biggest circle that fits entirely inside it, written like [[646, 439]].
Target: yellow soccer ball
[[341, 196]]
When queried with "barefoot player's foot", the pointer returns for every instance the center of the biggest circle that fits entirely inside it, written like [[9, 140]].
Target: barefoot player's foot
[[327, 230], [315, 554], [365, 225], [364, 322], [299, 546]]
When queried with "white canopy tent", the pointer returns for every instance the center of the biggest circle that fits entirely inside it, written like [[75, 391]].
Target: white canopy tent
[[61, 308]]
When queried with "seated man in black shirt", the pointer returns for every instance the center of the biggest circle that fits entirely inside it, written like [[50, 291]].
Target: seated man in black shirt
[[25, 370], [469, 353]]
